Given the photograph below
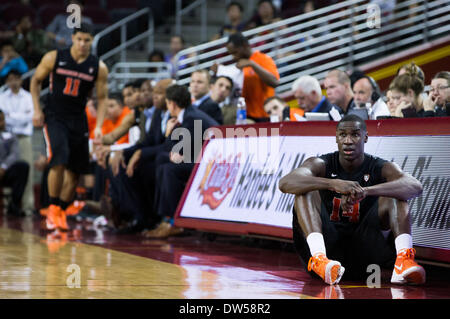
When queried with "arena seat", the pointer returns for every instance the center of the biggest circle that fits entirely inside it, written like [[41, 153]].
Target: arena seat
[[47, 12], [12, 12], [120, 4], [97, 14]]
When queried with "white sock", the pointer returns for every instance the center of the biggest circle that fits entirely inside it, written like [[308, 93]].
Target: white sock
[[403, 241], [316, 243]]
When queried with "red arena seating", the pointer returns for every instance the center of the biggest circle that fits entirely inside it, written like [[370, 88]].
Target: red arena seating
[[12, 12]]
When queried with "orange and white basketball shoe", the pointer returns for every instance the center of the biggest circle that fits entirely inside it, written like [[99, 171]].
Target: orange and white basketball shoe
[[330, 271], [62, 221], [43, 211], [53, 216], [75, 207], [406, 270]]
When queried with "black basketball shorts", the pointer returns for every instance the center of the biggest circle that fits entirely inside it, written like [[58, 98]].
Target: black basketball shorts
[[354, 245], [67, 143]]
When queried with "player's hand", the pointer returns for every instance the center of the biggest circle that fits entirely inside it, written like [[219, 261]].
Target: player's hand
[[38, 118], [347, 201], [98, 133], [107, 139], [101, 152], [117, 161], [133, 162], [347, 188]]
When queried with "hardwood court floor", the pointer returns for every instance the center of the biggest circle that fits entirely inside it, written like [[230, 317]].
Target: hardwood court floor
[[34, 264]]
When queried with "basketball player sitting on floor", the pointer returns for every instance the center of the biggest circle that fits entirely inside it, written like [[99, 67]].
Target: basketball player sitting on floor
[[346, 202]]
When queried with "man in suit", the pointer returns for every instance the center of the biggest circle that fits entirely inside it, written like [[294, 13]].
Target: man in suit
[[199, 88], [132, 180], [308, 93], [175, 164]]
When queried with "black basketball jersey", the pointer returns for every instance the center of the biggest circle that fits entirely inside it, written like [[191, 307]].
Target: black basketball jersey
[[71, 84], [368, 174]]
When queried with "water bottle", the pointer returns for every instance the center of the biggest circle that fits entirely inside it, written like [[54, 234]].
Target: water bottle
[[241, 112]]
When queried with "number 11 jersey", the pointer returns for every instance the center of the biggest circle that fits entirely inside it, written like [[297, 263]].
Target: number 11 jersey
[[70, 85]]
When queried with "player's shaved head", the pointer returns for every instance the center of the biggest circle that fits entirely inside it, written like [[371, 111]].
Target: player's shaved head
[[353, 118]]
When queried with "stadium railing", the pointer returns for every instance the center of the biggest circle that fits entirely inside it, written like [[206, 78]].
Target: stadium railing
[[343, 35]]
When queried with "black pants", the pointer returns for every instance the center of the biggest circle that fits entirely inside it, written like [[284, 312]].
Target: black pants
[[16, 177], [134, 197], [67, 143], [355, 246], [101, 177], [172, 179]]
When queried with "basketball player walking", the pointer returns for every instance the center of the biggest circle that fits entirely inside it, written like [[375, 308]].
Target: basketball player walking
[[73, 74]]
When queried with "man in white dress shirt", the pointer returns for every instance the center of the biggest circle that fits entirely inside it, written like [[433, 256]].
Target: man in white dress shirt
[[17, 105]]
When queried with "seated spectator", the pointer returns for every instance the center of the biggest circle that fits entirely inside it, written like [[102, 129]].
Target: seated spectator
[[266, 13], [146, 100], [174, 167], [59, 32], [10, 60], [157, 56], [30, 42], [13, 172], [220, 89], [199, 89], [235, 11], [17, 106], [130, 93], [279, 111], [390, 102], [339, 92], [260, 75], [176, 45], [308, 93], [115, 114], [413, 69], [438, 100], [134, 124], [368, 95], [408, 89]]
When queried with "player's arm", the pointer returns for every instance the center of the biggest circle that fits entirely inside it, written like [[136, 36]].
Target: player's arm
[[310, 177], [121, 130], [102, 95], [42, 71], [399, 185]]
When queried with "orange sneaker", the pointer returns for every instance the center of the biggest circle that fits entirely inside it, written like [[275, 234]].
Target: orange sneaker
[[53, 216], [75, 207], [63, 221], [43, 211], [406, 270], [330, 271]]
